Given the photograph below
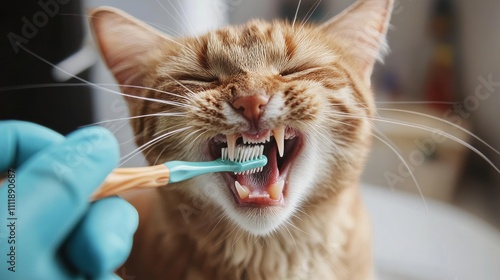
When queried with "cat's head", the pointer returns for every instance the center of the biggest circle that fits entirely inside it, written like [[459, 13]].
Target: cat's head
[[300, 89]]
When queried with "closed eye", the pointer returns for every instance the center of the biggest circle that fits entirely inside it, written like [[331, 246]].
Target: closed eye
[[301, 70], [198, 78], [293, 70]]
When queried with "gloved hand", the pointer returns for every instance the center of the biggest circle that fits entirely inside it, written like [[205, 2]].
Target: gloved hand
[[48, 228]]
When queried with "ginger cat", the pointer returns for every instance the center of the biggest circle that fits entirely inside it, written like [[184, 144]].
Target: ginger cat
[[301, 90]]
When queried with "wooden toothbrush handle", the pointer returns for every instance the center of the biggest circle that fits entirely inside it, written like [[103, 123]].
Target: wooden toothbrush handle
[[124, 179]]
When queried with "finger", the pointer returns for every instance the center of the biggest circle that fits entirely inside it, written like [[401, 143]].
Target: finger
[[55, 185], [103, 239], [21, 140]]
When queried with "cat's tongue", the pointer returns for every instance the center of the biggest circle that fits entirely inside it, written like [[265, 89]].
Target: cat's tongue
[[262, 188]]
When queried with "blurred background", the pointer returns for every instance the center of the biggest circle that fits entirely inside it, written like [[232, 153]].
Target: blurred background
[[441, 76]]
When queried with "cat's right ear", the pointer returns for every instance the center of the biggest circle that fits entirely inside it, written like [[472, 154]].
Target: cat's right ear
[[126, 44]]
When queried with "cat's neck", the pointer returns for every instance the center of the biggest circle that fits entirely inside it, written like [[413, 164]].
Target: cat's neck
[[189, 234]]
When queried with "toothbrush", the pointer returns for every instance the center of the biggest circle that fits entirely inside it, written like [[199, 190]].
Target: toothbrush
[[245, 160]]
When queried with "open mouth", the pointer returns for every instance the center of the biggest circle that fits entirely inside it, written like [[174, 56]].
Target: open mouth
[[266, 188]]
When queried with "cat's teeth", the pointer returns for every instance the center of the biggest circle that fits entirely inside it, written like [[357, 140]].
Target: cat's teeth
[[242, 190], [245, 139], [268, 137], [279, 136], [276, 189], [263, 138], [231, 145]]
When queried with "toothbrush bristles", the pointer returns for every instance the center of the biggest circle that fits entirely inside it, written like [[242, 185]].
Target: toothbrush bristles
[[243, 153]]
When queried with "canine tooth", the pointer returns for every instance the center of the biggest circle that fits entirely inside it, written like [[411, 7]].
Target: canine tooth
[[242, 190], [231, 144], [276, 189], [279, 136]]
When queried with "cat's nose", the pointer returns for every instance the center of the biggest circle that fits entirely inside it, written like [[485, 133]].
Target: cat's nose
[[251, 107]]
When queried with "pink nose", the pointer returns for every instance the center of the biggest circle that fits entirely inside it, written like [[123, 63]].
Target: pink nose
[[251, 106]]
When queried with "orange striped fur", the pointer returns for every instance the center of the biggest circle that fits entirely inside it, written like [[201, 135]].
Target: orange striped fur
[[316, 78]]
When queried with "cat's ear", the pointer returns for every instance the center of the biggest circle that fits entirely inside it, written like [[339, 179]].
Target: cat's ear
[[126, 43], [363, 28]]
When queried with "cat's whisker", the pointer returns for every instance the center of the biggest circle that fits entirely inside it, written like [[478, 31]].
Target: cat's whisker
[[159, 155], [169, 14], [385, 137], [417, 102], [155, 90], [167, 129], [328, 140], [38, 86], [310, 13], [186, 19], [290, 223], [131, 139], [191, 93], [137, 117], [421, 127], [299, 209], [191, 29], [148, 144], [168, 30], [446, 122], [448, 135], [104, 88], [196, 138], [179, 44], [139, 151], [160, 27], [54, 85], [401, 158], [186, 138], [296, 14], [334, 143], [142, 149]]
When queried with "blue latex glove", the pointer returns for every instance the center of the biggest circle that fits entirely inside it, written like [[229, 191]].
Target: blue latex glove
[[58, 234]]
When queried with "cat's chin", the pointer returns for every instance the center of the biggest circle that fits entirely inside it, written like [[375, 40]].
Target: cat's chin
[[260, 221]]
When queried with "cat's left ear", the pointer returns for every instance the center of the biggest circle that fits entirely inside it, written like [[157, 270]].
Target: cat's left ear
[[363, 27]]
